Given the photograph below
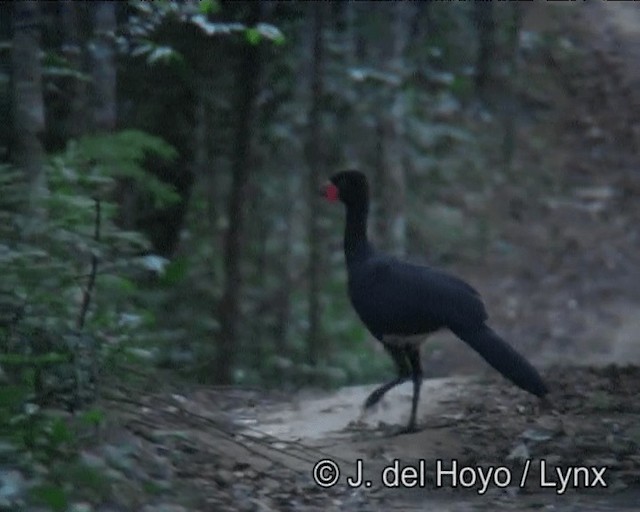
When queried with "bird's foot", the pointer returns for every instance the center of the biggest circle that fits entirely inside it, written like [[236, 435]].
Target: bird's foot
[[412, 428], [362, 416], [373, 399]]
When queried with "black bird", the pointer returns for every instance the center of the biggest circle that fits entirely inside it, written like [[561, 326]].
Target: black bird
[[401, 303]]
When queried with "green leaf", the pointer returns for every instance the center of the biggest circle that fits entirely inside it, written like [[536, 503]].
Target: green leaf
[[208, 7], [60, 433], [12, 395], [125, 285], [211, 29], [92, 417], [13, 359], [142, 49], [252, 35], [175, 271], [52, 495], [270, 32], [164, 54]]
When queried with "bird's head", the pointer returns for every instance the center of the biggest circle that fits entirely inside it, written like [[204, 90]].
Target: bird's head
[[350, 187]]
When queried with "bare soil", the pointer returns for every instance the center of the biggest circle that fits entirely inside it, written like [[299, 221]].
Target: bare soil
[[234, 450]]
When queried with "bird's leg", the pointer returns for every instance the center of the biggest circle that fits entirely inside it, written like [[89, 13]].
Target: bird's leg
[[404, 373], [413, 354], [378, 393]]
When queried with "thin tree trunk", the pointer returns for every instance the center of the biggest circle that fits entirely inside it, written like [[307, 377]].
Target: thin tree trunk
[[202, 188], [104, 66], [247, 87], [75, 124], [421, 27], [259, 232], [315, 156], [202, 223], [392, 214], [486, 44], [344, 134], [511, 85], [283, 303], [103, 96], [201, 167], [29, 123]]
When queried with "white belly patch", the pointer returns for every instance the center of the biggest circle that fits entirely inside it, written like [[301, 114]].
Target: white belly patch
[[393, 339]]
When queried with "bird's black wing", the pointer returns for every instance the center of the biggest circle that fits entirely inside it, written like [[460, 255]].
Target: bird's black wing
[[393, 297]]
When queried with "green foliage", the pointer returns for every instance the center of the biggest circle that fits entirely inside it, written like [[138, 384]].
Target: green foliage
[[208, 7], [13, 359], [57, 66], [47, 267], [45, 437], [175, 271], [252, 35], [154, 16], [92, 417], [462, 86], [262, 31], [89, 483], [51, 495], [93, 164], [157, 53], [70, 479]]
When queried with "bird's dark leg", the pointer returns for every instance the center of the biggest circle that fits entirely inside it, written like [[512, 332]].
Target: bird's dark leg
[[399, 356], [378, 393], [413, 355]]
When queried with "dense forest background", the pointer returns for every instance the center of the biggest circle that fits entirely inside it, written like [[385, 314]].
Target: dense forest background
[[204, 130], [160, 165]]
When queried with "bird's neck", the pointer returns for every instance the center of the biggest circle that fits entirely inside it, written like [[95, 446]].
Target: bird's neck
[[356, 244]]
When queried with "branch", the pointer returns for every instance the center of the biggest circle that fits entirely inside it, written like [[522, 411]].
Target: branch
[[86, 295]]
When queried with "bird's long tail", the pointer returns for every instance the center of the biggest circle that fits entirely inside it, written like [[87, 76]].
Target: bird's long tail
[[503, 357]]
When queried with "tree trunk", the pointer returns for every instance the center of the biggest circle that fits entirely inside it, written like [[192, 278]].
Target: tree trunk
[[345, 133], [509, 108], [103, 96], [486, 44], [29, 124], [104, 66], [283, 302], [247, 87], [391, 210], [75, 124], [259, 232], [202, 222], [314, 157]]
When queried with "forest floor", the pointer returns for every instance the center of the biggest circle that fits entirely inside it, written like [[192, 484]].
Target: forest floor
[[571, 300], [240, 450]]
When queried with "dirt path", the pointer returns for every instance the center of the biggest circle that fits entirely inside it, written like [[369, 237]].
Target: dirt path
[[264, 454]]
